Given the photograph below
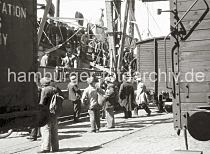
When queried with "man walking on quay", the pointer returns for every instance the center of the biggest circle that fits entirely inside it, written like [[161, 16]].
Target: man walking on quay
[[110, 103], [90, 99], [35, 132], [126, 95], [74, 97], [141, 98]]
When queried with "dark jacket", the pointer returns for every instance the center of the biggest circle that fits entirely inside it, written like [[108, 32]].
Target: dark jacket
[[110, 96], [46, 95], [74, 92], [126, 95]]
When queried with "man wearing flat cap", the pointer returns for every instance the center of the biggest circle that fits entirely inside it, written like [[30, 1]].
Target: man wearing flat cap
[[126, 95], [50, 130], [141, 97], [74, 96], [90, 99]]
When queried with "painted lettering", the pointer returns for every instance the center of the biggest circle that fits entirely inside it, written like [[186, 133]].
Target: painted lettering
[[3, 39], [13, 10]]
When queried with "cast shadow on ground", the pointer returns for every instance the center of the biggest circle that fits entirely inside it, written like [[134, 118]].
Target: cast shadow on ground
[[115, 130], [136, 116], [157, 121], [80, 149], [18, 135], [143, 123], [62, 137], [131, 124], [75, 126], [73, 131]]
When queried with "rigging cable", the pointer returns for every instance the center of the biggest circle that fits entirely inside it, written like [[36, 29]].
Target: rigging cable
[[149, 12], [46, 36]]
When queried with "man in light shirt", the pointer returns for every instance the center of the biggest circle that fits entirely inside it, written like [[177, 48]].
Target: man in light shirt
[[74, 96], [90, 99], [44, 60]]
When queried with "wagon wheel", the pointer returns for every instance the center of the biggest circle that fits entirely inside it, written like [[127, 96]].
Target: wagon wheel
[[4, 134]]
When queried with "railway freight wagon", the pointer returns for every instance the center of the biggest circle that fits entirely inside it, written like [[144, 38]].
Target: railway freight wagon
[[190, 50], [18, 52], [154, 65]]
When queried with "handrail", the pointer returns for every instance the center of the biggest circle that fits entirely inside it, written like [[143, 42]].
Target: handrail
[[197, 22], [180, 20]]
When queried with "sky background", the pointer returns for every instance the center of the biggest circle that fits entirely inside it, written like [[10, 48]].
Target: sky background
[[149, 23]]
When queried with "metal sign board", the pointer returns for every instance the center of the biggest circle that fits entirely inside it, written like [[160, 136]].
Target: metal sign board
[[17, 51]]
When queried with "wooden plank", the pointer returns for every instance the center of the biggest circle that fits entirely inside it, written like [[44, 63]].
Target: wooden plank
[[183, 5], [195, 45], [195, 64], [195, 87], [194, 97], [195, 71], [195, 56], [194, 15], [203, 34], [192, 67], [191, 106], [205, 24], [187, 77]]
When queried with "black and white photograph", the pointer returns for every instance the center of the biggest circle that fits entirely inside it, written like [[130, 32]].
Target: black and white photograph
[[105, 76]]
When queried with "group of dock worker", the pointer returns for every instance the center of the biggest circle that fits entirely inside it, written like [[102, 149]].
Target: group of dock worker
[[101, 93]]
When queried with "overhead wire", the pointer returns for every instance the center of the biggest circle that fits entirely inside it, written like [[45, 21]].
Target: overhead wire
[[149, 12], [60, 45], [46, 36], [148, 21]]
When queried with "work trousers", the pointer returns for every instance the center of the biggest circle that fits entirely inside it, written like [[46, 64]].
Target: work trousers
[[35, 132], [103, 113], [77, 109], [94, 119], [127, 113], [110, 117], [50, 135], [143, 106]]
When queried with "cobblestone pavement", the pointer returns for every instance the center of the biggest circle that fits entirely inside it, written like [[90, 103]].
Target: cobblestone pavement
[[157, 139], [141, 134]]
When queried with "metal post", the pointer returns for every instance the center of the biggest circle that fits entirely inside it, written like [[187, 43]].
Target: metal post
[[131, 24], [122, 42], [111, 40], [185, 138], [44, 19], [156, 68], [58, 8]]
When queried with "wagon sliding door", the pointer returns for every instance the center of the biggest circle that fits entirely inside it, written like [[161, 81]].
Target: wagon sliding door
[[191, 58], [151, 61]]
